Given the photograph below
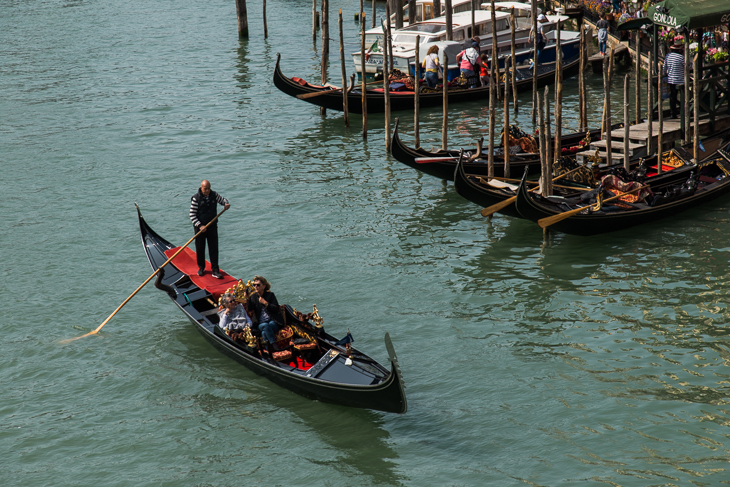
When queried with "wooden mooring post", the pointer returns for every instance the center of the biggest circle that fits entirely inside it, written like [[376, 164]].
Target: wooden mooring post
[[266, 29], [660, 119], [627, 166], [315, 20], [325, 47], [513, 55], [607, 109], [386, 77], [495, 48], [506, 131], [449, 21], [686, 114], [650, 105], [558, 94], [535, 101], [445, 122], [541, 139], [492, 117], [373, 26], [416, 92], [344, 72], [548, 151], [364, 99], [696, 101], [242, 16], [582, 115], [637, 80]]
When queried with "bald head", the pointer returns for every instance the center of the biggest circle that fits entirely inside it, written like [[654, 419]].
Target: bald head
[[205, 187]]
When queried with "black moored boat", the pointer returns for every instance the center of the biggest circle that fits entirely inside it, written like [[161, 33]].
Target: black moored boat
[[323, 374], [442, 164], [403, 100], [708, 181]]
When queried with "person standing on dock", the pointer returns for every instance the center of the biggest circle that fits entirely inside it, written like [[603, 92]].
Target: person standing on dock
[[540, 36], [674, 70], [602, 27], [203, 206]]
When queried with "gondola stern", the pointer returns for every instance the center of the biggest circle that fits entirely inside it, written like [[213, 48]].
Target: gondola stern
[[396, 373]]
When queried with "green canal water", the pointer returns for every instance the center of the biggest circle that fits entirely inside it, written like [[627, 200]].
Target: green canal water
[[566, 362]]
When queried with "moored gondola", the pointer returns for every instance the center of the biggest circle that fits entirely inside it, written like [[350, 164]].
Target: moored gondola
[[330, 98], [442, 164], [315, 365], [582, 216], [677, 166]]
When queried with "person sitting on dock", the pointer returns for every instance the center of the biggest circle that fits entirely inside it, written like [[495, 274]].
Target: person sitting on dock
[[674, 70], [468, 61], [266, 314], [432, 66], [233, 316], [540, 36]]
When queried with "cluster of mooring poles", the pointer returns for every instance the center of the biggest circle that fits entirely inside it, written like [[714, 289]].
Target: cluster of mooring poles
[[550, 149]]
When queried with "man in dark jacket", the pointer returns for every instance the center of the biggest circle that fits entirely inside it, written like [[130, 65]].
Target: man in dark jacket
[[265, 308], [203, 208]]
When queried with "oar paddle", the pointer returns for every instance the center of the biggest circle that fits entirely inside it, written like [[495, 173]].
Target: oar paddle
[[490, 210], [144, 283], [547, 221], [304, 96]]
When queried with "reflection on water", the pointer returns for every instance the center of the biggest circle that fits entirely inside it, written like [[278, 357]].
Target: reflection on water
[[351, 440]]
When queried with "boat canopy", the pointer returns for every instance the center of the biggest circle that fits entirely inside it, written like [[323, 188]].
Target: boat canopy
[[690, 14]]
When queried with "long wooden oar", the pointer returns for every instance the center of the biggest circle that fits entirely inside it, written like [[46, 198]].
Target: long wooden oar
[[144, 283], [547, 221], [490, 210], [325, 92]]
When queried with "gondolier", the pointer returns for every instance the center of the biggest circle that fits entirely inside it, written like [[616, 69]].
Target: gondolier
[[203, 206], [674, 70]]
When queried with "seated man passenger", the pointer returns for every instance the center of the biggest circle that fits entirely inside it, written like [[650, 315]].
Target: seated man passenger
[[266, 313], [233, 316]]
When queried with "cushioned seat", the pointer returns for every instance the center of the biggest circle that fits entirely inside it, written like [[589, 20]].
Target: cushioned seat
[[305, 346], [282, 355]]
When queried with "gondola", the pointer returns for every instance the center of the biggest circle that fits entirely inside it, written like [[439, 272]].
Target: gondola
[[709, 180], [442, 164], [475, 189], [403, 100], [323, 370]]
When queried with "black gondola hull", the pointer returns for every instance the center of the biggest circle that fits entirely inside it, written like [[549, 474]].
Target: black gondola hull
[[332, 99], [445, 169], [530, 207], [385, 395]]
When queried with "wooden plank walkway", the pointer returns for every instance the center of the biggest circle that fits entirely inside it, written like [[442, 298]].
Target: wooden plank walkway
[[620, 53], [639, 135]]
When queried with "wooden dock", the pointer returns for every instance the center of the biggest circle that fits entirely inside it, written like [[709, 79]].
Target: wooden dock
[[621, 53], [639, 137]]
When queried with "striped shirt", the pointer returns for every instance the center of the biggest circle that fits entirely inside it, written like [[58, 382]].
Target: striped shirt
[[194, 206], [674, 68]]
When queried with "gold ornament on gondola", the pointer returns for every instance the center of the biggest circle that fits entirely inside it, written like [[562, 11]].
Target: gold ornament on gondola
[[240, 290], [671, 158]]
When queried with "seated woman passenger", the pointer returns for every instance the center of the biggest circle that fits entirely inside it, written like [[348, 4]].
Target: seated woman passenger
[[233, 316], [266, 313]]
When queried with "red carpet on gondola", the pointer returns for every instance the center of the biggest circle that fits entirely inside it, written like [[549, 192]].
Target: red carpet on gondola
[[187, 264]]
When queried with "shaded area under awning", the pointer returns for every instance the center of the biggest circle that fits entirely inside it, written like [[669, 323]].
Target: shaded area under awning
[[691, 14]]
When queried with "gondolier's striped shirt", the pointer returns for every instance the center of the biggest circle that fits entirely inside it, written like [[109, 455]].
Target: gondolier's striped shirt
[[674, 68], [194, 207]]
